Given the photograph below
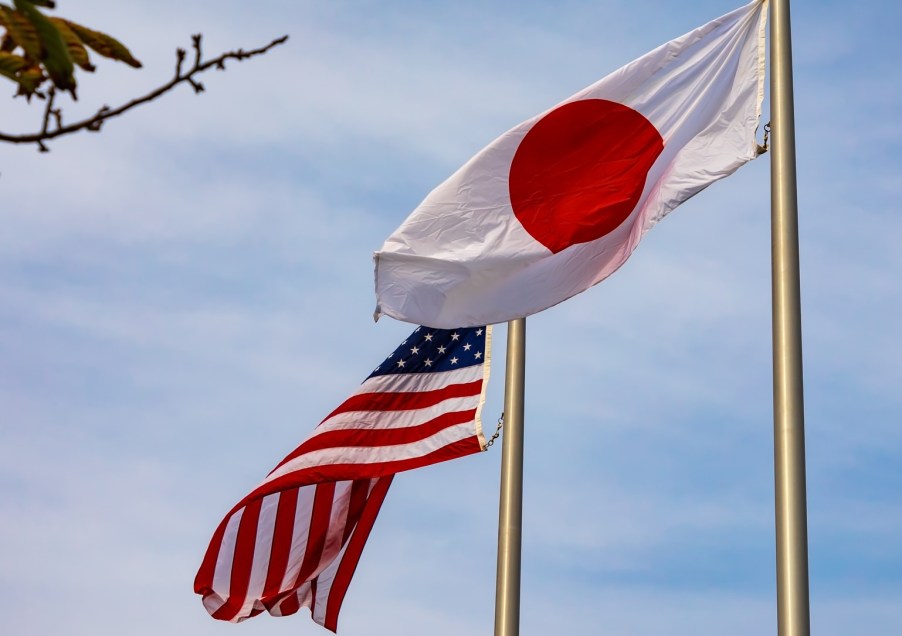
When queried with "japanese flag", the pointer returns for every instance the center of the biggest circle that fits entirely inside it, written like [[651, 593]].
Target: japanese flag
[[558, 203]]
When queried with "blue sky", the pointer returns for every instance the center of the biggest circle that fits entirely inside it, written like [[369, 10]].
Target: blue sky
[[185, 295]]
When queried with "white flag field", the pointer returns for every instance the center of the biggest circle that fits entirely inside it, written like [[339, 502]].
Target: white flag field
[[559, 202]]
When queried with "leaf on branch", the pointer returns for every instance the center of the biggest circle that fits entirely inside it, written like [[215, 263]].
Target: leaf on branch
[[55, 56], [104, 44], [29, 80], [50, 4], [11, 64], [77, 50], [22, 32]]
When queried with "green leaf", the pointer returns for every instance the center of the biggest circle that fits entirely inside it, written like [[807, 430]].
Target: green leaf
[[104, 44], [77, 50], [22, 31], [50, 4], [55, 59]]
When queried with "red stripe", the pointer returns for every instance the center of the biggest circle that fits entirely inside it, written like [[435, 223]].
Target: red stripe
[[312, 596], [283, 533], [255, 611], [352, 554], [349, 472], [203, 582], [356, 503], [290, 605], [401, 401], [368, 436], [242, 562]]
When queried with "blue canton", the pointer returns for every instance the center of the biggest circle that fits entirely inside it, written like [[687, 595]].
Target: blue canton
[[429, 350]]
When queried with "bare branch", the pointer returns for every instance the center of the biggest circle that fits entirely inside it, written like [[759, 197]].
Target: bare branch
[[195, 42], [94, 123], [179, 60]]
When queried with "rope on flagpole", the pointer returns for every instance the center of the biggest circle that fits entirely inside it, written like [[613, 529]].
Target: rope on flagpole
[[497, 433]]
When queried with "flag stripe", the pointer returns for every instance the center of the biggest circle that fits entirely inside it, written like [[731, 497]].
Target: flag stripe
[[319, 526], [281, 542], [242, 560], [368, 437], [222, 577], [417, 382], [402, 419], [353, 550], [302, 535], [432, 450], [363, 457], [337, 472], [359, 494], [403, 401], [261, 554]]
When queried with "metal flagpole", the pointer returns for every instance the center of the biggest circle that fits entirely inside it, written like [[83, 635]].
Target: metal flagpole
[[789, 426], [510, 514]]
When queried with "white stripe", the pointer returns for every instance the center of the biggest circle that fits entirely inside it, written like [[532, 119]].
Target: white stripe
[[398, 419], [416, 382], [266, 523], [376, 454], [302, 594], [324, 585], [327, 576], [487, 370], [222, 575], [212, 602], [300, 530], [305, 594], [335, 531]]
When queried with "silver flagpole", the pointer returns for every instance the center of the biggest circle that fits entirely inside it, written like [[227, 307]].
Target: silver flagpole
[[510, 514], [789, 425]]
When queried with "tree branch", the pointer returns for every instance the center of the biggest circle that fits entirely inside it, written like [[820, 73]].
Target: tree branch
[[94, 123]]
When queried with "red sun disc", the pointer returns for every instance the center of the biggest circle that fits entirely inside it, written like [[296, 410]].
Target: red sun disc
[[580, 170]]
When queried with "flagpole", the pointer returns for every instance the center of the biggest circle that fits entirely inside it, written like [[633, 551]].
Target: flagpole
[[510, 513], [793, 617]]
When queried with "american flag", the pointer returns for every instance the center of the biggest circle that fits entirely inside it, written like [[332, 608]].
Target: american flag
[[295, 540]]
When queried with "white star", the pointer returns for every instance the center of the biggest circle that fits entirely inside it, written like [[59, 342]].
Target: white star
[[467, 346], [400, 363], [441, 350], [479, 332], [428, 362], [478, 355], [455, 336], [417, 330], [390, 355], [453, 360], [428, 337], [415, 350], [403, 343]]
